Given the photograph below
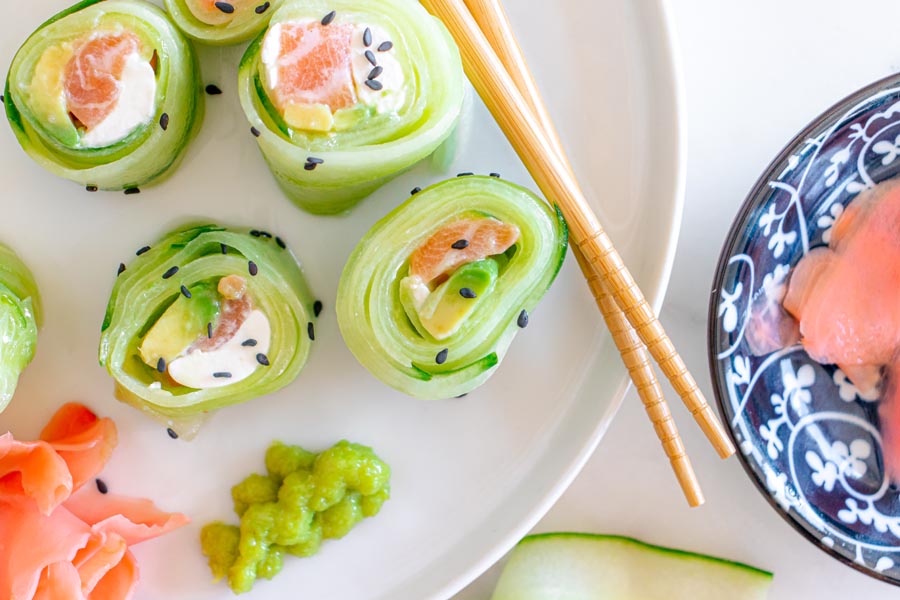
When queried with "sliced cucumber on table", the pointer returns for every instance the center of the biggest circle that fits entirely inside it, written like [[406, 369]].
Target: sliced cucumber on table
[[577, 566]]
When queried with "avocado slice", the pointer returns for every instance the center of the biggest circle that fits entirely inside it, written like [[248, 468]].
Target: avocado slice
[[181, 325], [46, 97], [442, 312]]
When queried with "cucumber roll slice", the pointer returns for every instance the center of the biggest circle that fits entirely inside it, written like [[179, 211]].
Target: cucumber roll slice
[[434, 294], [221, 22], [342, 95], [106, 94], [20, 318], [577, 566], [206, 317]]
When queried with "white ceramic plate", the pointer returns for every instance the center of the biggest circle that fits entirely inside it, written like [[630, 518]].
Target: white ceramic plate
[[470, 476]]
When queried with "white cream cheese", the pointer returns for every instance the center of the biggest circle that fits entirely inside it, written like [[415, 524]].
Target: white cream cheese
[[136, 104], [391, 96], [199, 369], [271, 52]]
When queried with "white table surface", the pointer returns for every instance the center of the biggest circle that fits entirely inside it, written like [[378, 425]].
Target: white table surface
[[755, 73]]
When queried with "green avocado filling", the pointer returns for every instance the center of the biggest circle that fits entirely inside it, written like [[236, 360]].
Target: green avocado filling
[[183, 323], [303, 499]]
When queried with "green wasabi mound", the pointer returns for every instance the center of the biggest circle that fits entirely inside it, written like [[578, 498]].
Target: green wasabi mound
[[206, 317], [38, 109], [303, 499], [448, 338], [578, 566], [20, 319], [326, 157]]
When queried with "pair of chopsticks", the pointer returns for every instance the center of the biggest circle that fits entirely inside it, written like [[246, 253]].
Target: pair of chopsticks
[[495, 65]]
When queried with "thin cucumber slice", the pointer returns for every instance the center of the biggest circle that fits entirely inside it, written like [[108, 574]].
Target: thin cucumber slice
[[577, 566]]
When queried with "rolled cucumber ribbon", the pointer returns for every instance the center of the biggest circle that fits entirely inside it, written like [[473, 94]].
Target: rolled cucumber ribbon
[[221, 22], [206, 317], [435, 292], [343, 95], [107, 94], [20, 319]]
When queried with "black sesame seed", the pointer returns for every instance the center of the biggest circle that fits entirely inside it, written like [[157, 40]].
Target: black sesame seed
[[254, 131], [2, 98], [255, 233], [311, 166], [375, 72], [121, 269], [172, 433], [214, 90], [248, 343], [385, 46], [463, 395], [225, 7], [209, 330], [224, 248], [314, 160], [142, 250], [415, 191], [132, 190], [280, 242], [251, 266], [327, 19], [101, 486], [373, 84], [186, 292], [465, 174], [441, 357], [317, 308], [161, 365], [370, 56], [91, 188], [164, 121], [367, 37], [496, 175], [262, 359], [262, 8], [170, 272], [222, 375], [265, 234], [523, 319], [468, 293], [460, 244], [311, 331]]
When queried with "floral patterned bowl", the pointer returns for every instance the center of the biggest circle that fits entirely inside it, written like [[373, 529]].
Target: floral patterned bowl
[[806, 435]]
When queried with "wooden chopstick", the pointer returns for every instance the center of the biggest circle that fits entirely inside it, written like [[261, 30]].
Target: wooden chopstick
[[494, 23], [523, 130]]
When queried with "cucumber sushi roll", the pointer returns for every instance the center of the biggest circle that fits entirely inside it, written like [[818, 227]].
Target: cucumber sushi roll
[[106, 94], [343, 95], [206, 317], [20, 318], [221, 22], [436, 291]]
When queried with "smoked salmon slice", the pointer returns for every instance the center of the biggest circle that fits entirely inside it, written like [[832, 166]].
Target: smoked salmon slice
[[460, 243], [55, 545], [314, 66], [92, 75]]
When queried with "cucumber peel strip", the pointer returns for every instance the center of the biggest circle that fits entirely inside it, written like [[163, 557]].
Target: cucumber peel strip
[[246, 23], [580, 566], [147, 153], [360, 159], [375, 324], [20, 319], [140, 295]]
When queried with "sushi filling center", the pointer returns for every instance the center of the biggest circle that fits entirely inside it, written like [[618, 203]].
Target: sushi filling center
[[324, 78], [453, 272], [211, 337]]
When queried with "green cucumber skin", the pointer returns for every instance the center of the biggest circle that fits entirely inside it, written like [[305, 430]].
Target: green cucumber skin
[[390, 347], [537, 537], [217, 35], [356, 163], [581, 566], [21, 315], [146, 156]]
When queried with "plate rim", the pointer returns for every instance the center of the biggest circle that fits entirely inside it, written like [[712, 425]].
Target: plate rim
[[741, 216], [673, 80]]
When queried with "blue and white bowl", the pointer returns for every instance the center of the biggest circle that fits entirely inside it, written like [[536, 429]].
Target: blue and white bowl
[[805, 434]]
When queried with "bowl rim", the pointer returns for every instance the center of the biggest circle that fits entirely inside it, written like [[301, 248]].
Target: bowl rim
[[749, 203]]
